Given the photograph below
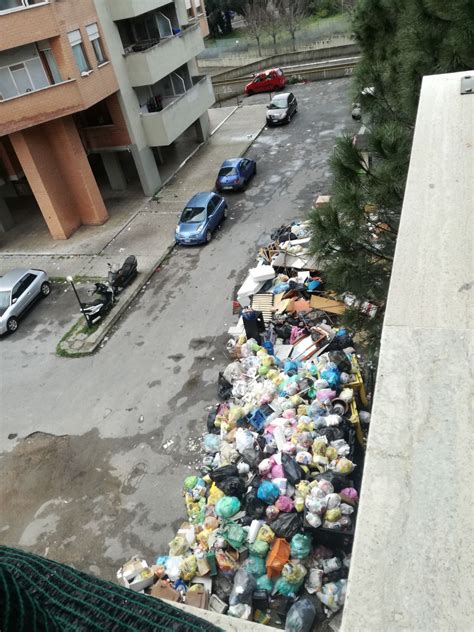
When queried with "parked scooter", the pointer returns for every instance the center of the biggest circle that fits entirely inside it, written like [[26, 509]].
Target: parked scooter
[[119, 278], [95, 311]]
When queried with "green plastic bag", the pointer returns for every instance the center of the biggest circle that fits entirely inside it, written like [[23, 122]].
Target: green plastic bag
[[234, 534], [227, 506], [259, 548], [300, 546], [254, 565], [287, 589], [265, 583], [294, 572], [190, 482]]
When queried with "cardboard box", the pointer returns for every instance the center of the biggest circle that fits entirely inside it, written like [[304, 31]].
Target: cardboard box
[[198, 597], [162, 590], [136, 574], [321, 200]]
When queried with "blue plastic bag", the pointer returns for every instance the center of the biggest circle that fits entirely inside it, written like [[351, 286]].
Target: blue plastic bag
[[268, 492]]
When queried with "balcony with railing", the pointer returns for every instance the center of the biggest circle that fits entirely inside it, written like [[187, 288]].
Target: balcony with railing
[[37, 21], [149, 60], [166, 118], [33, 89]]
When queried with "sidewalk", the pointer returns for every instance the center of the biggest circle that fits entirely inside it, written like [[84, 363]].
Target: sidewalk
[[147, 232]]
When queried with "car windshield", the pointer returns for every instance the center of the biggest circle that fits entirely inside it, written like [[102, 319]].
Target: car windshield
[[193, 214], [278, 103], [4, 301], [227, 171]]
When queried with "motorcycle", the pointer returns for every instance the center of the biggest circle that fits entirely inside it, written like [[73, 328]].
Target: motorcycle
[[95, 311], [119, 278]]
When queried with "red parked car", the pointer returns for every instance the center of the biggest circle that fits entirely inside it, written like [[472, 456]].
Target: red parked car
[[266, 81]]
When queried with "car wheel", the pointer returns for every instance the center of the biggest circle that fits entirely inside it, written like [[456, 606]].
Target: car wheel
[[12, 324], [249, 93], [45, 288], [208, 236], [255, 170]]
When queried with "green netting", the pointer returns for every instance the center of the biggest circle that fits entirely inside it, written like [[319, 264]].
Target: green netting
[[37, 594]]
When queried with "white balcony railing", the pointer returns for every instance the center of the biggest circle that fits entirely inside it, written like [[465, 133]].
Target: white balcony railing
[[162, 128], [148, 66]]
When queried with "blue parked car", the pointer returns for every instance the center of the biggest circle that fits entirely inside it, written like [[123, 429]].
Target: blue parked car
[[199, 219], [235, 174]]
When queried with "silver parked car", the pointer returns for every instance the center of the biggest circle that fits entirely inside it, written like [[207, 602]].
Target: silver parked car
[[19, 289]]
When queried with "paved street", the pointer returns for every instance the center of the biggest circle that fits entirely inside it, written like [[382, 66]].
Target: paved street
[[110, 437]]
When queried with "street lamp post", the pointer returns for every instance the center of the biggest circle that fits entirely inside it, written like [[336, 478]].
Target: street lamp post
[[81, 305]]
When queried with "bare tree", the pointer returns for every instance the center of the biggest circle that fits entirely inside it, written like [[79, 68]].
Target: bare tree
[[255, 16], [273, 23], [292, 13]]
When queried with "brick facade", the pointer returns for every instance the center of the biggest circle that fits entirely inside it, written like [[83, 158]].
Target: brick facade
[[59, 174], [40, 125]]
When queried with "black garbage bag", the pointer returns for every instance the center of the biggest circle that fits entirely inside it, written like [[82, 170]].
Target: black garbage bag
[[341, 361], [222, 586], [286, 525], [254, 507], [224, 388], [221, 473], [300, 616], [283, 331], [210, 422], [333, 433], [341, 342], [244, 586], [252, 457], [232, 486], [261, 442], [293, 471], [338, 481]]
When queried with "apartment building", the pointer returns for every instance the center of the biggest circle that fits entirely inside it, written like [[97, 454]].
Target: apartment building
[[88, 81]]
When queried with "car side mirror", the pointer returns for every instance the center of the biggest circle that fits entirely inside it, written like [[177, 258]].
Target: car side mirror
[[14, 300], [268, 107]]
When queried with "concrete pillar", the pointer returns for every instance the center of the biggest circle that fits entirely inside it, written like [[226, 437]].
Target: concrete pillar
[[114, 170], [58, 172], [147, 170], [6, 219], [202, 128]]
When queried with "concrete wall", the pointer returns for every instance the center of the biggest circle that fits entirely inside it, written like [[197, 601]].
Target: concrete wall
[[287, 59], [143, 155], [235, 88], [162, 128], [149, 66], [140, 147], [123, 9], [413, 553], [17, 55]]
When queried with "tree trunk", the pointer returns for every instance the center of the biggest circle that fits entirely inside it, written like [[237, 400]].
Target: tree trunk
[[293, 41], [257, 37], [274, 37]]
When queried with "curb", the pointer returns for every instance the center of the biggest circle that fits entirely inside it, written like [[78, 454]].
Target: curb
[[104, 328], [106, 325]]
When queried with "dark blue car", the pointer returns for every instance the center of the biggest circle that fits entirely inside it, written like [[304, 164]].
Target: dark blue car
[[235, 174], [200, 217]]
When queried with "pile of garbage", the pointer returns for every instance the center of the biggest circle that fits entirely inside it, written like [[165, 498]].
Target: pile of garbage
[[271, 514]]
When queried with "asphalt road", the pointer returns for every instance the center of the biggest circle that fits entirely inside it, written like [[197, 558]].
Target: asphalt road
[[95, 449]]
